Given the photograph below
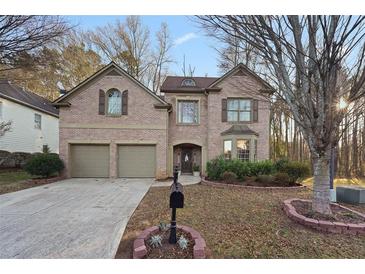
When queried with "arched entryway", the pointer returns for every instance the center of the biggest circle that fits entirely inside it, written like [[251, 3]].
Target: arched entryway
[[186, 156]]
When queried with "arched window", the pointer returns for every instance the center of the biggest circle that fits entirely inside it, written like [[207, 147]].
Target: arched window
[[114, 102], [188, 83]]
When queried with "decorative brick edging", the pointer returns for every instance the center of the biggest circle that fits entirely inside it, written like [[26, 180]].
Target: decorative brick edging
[[140, 249], [223, 185], [325, 226]]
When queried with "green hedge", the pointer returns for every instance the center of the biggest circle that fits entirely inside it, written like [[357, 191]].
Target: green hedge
[[217, 167], [44, 164]]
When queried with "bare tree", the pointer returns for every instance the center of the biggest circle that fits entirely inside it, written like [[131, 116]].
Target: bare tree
[[235, 51], [160, 57], [189, 71], [4, 127], [306, 55], [21, 35], [126, 43]]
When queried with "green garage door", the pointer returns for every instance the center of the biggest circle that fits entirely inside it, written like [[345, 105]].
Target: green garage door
[[136, 161], [90, 161]]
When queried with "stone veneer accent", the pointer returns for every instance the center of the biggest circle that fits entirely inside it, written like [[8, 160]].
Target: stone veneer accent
[[325, 226], [205, 182], [140, 249]]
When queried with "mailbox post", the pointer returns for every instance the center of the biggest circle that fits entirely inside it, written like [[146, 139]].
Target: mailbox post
[[176, 201]]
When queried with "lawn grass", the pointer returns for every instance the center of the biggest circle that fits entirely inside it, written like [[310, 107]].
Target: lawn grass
[[14, 180], [242, 223], [339, 181]]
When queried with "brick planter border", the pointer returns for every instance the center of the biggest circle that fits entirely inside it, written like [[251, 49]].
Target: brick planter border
[[324, 226], [205, 182], [140, 249]]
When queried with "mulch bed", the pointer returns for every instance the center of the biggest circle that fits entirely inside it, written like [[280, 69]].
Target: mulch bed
[[170, 251], [252, 182], [339, 214]]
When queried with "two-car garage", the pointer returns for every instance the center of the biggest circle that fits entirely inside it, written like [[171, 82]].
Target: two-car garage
[[93, 160]]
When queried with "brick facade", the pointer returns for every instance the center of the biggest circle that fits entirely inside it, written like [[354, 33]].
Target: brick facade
[[146, 124]]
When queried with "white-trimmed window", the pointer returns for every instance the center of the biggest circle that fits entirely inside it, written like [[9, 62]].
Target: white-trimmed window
[[243, 149], [239, 110], [114, 102], [227, 147], [188, 111], [37, 121]]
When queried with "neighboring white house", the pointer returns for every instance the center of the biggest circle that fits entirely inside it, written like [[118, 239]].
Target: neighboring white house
[[34, 120]]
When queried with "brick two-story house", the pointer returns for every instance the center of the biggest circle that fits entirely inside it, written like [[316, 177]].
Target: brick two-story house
[[113, 126]]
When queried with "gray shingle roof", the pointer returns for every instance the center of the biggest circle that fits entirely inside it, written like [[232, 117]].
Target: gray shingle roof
[[15, 93], [173, 83]]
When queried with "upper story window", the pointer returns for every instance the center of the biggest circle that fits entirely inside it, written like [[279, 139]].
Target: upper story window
[[114, 102], [37, 121], [239, 110], [188, 83], [188, 111]]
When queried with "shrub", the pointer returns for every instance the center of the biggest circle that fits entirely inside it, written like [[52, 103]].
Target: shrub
[[44, 165], [297, 170], [265, 179], [281, 164], [261, 168], [282, 178], [216, 167], [196, 168], [229, 177]]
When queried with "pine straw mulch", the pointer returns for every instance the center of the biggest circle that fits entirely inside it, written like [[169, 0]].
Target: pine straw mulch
[[242, 223]]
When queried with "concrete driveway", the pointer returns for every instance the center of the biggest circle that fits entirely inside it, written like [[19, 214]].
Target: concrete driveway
[[75, 218]]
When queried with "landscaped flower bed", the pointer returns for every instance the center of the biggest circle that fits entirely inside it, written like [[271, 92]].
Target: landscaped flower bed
[[342, 220], [153, 243], [256, 174], [250, 185]]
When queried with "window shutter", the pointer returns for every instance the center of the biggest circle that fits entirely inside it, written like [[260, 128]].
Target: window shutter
[[224, 110], [101, 102], [125, 102], [255, 110]]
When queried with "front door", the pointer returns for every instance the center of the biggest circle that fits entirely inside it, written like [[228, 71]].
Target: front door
[[186, 161]]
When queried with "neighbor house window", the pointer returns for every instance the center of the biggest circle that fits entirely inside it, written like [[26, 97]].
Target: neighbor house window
[[239, 110], [37, 121], [227, 146], [114, 98], [188, 112], [243, 150]]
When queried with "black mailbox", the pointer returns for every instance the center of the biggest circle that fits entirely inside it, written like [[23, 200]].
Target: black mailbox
[[177, 196]]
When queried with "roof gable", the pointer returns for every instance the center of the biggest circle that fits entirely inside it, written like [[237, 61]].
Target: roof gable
[[242, 70], [110, 69], [18, 95]]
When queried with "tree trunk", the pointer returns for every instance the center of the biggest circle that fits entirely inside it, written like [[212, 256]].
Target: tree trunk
[[355, 148], [321, 187]]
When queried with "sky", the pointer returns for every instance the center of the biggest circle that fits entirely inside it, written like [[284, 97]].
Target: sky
[[188, 38]]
